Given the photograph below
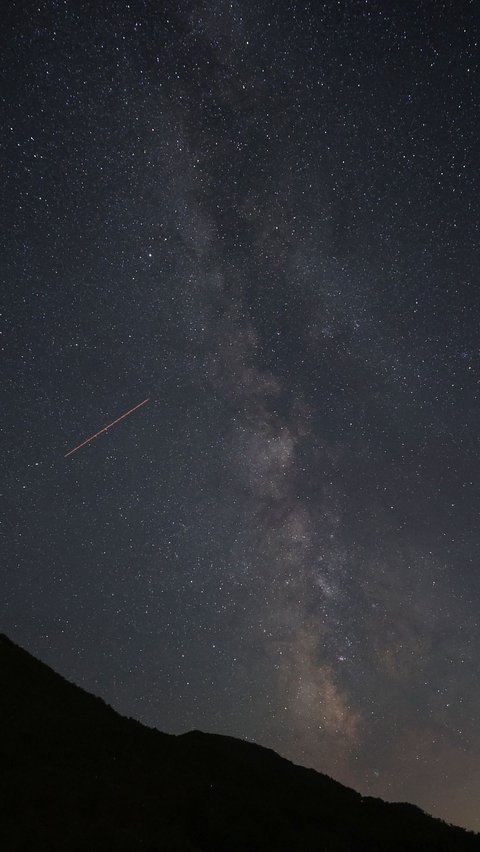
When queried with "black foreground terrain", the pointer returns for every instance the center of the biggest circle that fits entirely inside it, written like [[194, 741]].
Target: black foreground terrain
[[75, 775]]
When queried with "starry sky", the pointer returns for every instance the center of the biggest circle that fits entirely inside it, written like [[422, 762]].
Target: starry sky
[[263, 217]]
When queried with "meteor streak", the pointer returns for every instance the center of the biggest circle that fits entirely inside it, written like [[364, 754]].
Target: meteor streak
[[87, 441]]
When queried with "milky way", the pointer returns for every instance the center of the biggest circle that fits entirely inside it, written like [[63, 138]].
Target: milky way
[[264, 218]]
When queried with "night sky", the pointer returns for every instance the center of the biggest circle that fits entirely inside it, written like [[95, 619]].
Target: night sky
[[262, 216]]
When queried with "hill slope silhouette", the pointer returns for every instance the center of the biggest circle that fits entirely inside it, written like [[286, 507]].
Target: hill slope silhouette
[[75, 775]]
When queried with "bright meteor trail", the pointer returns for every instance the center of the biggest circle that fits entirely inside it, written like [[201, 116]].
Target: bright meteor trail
[[108, 426]]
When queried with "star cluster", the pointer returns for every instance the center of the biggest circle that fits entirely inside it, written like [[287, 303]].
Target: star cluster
[[263, 217]]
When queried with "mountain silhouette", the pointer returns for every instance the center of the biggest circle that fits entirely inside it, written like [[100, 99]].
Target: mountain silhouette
[[75, 775]]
